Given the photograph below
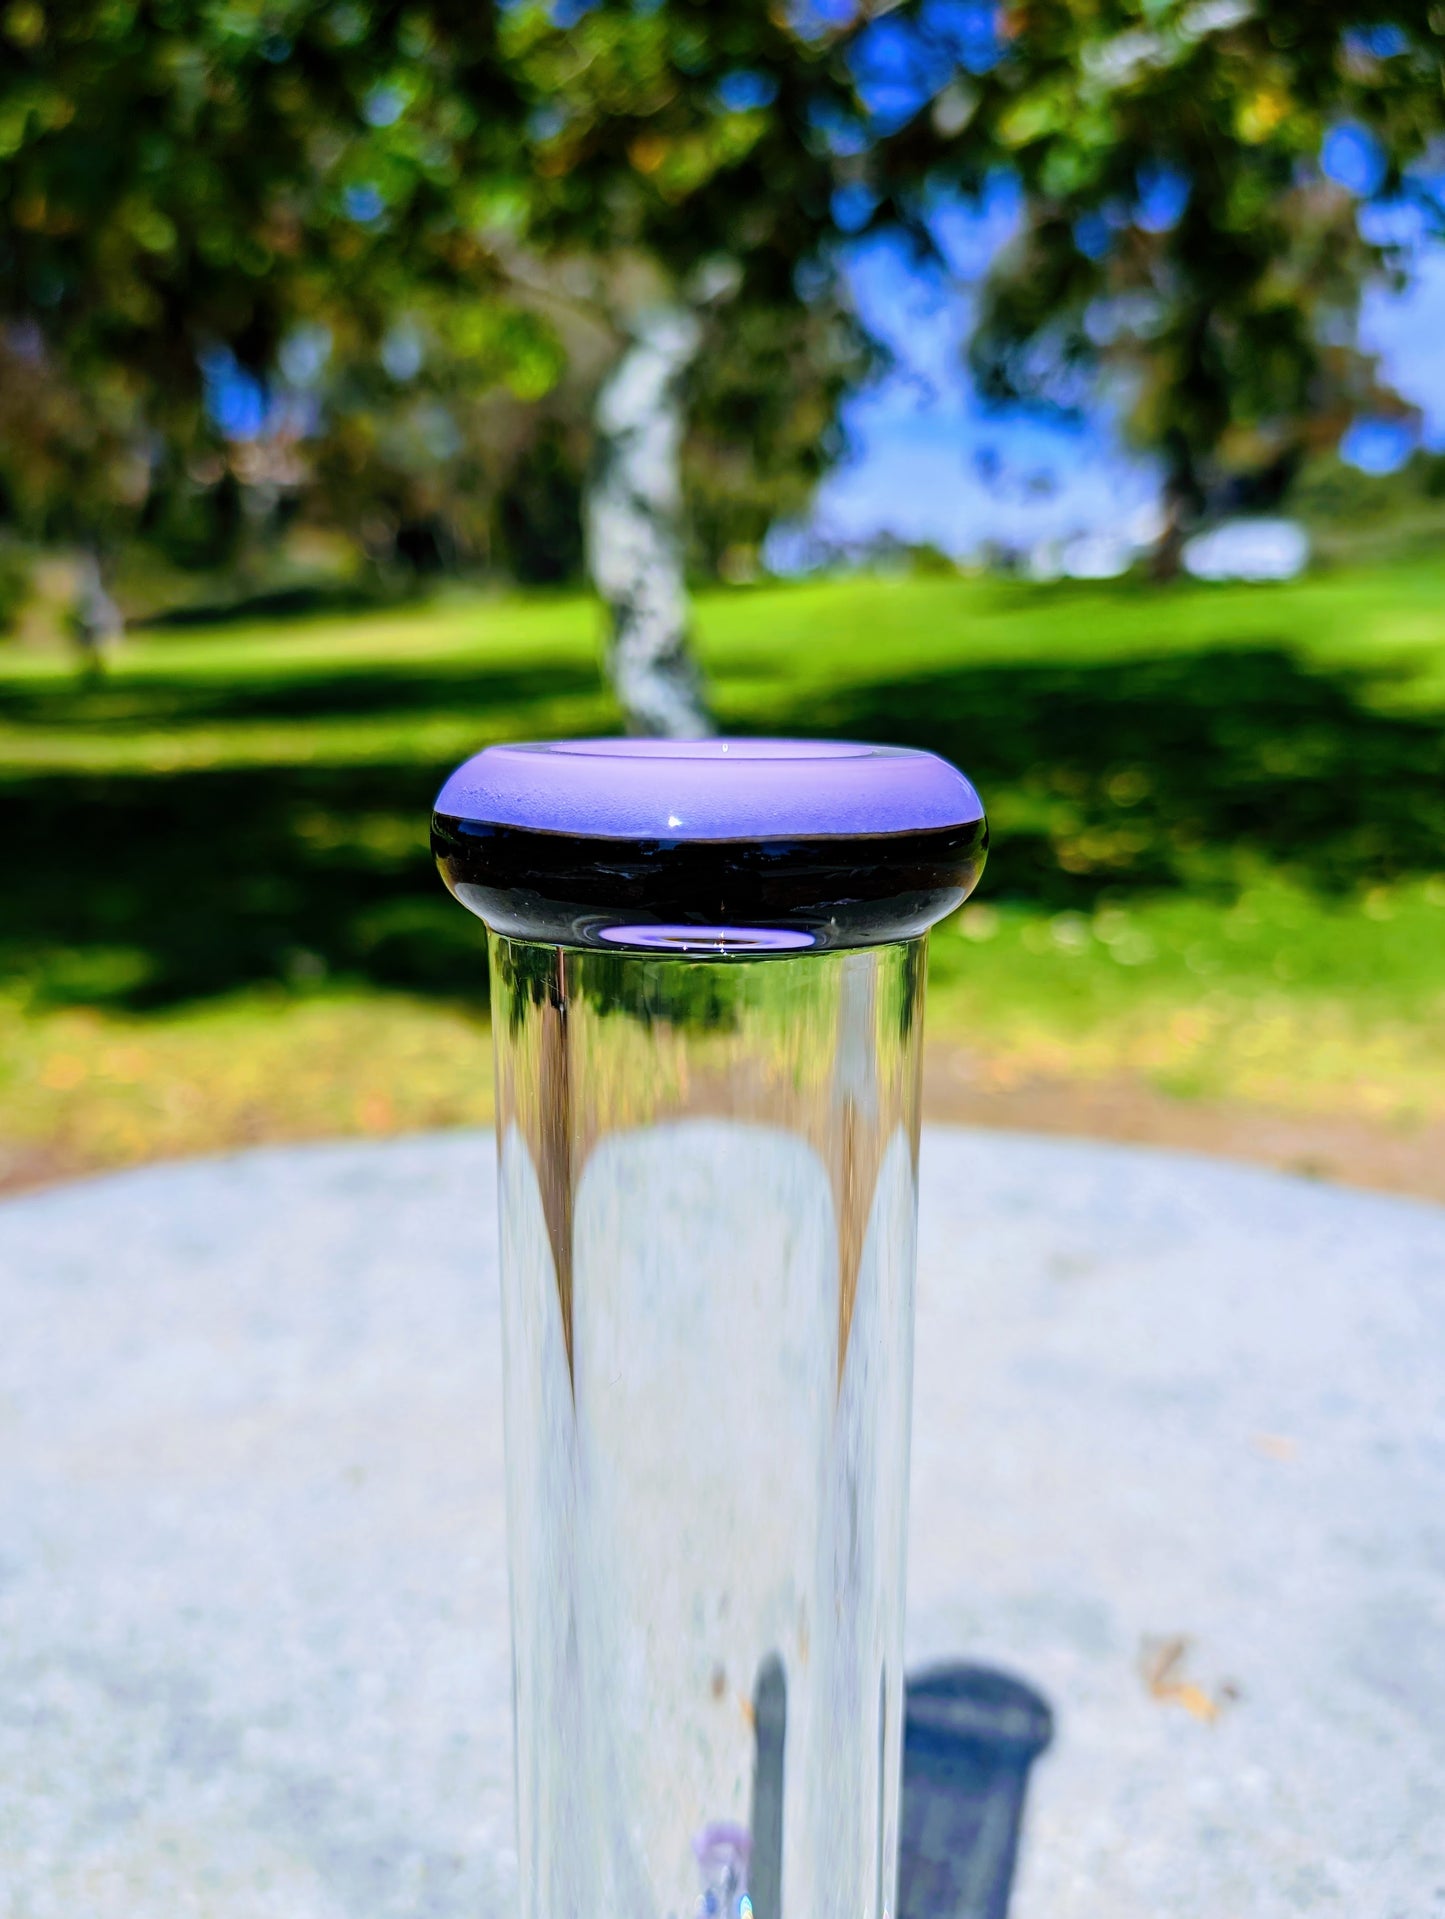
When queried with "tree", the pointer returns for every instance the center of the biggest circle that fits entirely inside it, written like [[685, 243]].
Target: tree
[[645, 201], [184, 185], [1180, 237], [181, 180], [687, 159]]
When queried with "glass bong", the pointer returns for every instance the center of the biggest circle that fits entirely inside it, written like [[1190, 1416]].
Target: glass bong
[[707, 969]]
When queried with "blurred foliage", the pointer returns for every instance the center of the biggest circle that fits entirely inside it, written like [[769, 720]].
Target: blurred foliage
[[1331, 492], [1193, 173], [373, 255], [1357, 518], [764, 428], [14, 583], [365, 264], [174, 184]]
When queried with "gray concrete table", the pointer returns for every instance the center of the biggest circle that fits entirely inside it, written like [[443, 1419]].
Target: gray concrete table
[[253, 1655]]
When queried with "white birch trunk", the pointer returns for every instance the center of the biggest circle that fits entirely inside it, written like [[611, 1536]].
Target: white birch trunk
[[99, 624], [634, 526]]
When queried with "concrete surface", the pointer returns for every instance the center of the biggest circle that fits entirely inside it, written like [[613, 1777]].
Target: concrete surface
[[253, 1654]]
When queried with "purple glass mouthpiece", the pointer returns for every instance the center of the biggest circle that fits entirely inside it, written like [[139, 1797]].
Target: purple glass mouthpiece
[[722, 848], [710, 789], [722, 1851]]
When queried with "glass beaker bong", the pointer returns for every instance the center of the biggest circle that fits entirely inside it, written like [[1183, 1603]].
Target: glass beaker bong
[[707, 964]]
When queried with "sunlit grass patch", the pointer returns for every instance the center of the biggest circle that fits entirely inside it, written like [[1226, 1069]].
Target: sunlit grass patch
[[1218, 818]]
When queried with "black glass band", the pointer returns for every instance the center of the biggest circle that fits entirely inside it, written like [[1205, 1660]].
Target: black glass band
[[840, 891]]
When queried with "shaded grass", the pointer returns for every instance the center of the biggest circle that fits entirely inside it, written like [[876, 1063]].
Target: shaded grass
[[1173, 770], [1218, 819]]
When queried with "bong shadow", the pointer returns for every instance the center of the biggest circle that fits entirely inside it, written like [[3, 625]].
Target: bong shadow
[[970, 1736]]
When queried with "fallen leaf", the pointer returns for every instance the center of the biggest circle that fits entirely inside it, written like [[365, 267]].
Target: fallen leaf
[[1161, 1666]]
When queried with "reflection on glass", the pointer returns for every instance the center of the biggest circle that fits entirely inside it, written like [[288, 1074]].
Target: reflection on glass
[[708, 1198]]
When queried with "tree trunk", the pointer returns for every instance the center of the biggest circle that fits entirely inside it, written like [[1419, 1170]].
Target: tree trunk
[[1184, 502], [97, 622], [633, 512]]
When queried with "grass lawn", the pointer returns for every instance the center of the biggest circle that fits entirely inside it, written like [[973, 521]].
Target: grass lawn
[[1217, 877]]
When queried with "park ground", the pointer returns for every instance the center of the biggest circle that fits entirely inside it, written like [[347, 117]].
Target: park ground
[[1214, 914]]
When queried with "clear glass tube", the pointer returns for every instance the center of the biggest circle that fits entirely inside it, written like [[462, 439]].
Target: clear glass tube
[[708, 1180]]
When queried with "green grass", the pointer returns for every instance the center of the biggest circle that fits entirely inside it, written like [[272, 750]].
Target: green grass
[[1218, 819]]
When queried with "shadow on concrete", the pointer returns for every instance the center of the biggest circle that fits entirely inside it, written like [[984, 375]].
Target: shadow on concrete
[[970, 1737]]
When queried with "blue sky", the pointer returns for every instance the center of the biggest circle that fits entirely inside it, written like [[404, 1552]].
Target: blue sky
[[933, 465]]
